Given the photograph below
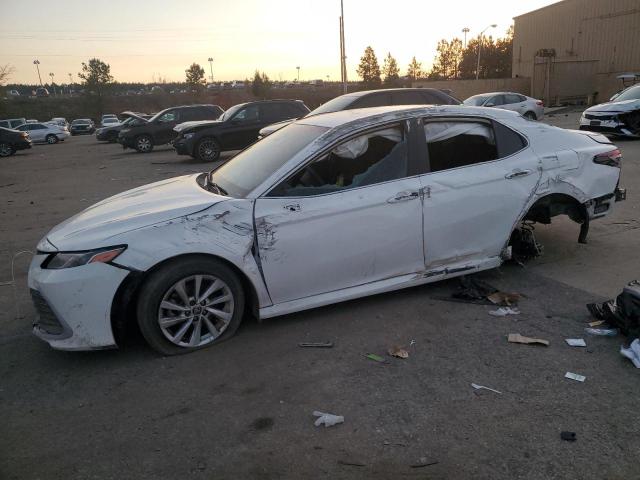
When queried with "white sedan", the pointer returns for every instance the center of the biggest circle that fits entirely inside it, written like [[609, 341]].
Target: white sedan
[[45, 132], [330, 208], [528, 107]]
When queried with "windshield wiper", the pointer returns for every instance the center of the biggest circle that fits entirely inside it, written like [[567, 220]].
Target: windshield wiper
[[212, 186]]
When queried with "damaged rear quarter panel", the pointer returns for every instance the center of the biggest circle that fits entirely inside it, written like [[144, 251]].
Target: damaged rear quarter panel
[[224, 230]]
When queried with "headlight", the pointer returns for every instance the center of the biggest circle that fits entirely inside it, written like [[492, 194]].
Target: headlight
[[187, 136], [60, 260]]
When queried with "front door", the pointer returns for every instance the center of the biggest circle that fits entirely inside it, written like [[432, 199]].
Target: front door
[[482, 177], [242, 130], [349, 218]]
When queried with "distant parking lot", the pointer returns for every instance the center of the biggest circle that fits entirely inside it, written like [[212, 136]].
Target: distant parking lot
[[244, 408]]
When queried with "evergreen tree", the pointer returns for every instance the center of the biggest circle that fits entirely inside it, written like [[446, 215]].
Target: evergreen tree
[[195, 75], [414, 71], [391, 71], [369, 70], [96, 75]]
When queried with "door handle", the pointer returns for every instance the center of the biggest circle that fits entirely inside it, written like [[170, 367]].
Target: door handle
[[404, 196], [517, 173], [292, 207]]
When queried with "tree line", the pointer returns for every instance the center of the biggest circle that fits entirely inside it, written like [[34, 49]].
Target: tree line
[[453, 60]]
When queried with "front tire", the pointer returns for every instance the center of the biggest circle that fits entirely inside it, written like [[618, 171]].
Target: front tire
[[144, 144], [190, 304], [207, 150], [6, 149], [112, 137], [51, 139]]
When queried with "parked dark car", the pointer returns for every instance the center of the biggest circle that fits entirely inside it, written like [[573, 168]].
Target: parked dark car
[[12, 122], [236, 129], [13, 140], [110, 133], [82, 126], [158, 129], [376, 98]]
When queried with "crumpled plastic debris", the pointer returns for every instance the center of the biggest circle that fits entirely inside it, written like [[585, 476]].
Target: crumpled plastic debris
[[374, 357], [575, 376], [623, 312], [517, 338], [328, 419], [504, 298], [633, 352], [504, 311], [602, 332], [398, 352], [482, 387]]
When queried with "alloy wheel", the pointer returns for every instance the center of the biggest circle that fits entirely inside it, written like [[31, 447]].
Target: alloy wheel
[[196, 310], [144, 144], [5, 149], [51, 139], [208, 150]]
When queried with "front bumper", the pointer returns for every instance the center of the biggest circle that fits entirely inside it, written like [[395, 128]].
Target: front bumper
[[609, 124], [22, 145], [74, 304], [183, 146]]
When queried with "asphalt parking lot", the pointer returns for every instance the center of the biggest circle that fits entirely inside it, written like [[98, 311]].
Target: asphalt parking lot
[[244, 408]]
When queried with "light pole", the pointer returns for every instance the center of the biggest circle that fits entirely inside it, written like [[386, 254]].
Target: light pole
[[298, 74], [54, 87], [465, 30], [493, 25], [70, 82], [210, 60], [37, 63]]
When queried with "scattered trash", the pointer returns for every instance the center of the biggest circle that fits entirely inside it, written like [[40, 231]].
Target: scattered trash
[[568, 436], [603, 332], [328, 419], [504, 298], [423, 464], [633, 352], [102, 167], [398, 352], [524, 244], [374, 357], [575, 342], [316, 344], [575, 376], [482, 387], [517, 338], [597, 323], [350, 463], [623, 312], [473, 290], [504, 311], [394, 444]]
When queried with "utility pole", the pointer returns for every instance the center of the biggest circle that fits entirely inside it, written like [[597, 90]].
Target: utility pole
[[37, 63], [70, 82], [493, 25], [343, 57], [52, 84], [465, 30], [298, 74], [210, 60]]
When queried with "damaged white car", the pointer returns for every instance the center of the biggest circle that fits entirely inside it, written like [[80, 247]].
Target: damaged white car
[[619, 117], [330, 208]]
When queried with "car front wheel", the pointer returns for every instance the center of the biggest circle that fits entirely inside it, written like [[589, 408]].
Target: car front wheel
[[5, 149], [190, 304], [144, 144], [51, 139], [207, 150]]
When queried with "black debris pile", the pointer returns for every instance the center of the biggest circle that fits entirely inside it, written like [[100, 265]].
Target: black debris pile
[[473, 290], [524, 245], [623, 312]]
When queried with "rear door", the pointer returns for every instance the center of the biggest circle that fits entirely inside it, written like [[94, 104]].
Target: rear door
[[482, 175], [514, 102], [37, 132]]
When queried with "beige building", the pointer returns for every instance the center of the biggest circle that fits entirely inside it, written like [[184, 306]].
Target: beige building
[[573, 50]]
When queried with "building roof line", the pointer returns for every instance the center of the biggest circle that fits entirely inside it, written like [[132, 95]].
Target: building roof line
[[555, 4]]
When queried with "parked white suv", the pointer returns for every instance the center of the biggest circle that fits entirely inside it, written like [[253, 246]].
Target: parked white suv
[[44, 132], [526, 106]]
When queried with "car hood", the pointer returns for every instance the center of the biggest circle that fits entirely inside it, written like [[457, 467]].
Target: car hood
[[131, 210], [195, 124], [624, 106], [134, 115]]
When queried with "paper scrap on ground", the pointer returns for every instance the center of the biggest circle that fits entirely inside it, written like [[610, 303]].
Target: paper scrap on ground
[[597, 323], [398, 352], [328, 419], [374, 357], [482, 387], [504, 298], [504, 311], [632, 353], [575, 376], [575, 342], [517, 338]]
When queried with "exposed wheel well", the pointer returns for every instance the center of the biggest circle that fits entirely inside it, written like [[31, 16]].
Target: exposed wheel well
[[560, 204], [123, 307]]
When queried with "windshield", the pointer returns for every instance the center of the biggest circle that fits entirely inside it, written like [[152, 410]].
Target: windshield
[[631, 93], [80, 122], [335, 105], [252, 166], [476, 100], [231, 112]]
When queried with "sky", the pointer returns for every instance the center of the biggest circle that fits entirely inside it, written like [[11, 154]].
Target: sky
[[148, 40]]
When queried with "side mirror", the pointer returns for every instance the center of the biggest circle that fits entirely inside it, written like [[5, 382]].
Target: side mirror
[[489, 104]]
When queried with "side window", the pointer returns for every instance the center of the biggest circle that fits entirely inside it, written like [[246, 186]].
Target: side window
[[496, 100], [189, 114], [508, 141], [454, 144], [247, 114], [37, 127], [512, 98], [24, 128], [272, 112], [170, 116], [374, 100], [294, 111], [407, 98], [371, 158]]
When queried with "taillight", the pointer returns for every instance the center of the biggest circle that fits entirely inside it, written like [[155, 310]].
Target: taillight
[[612, 158], [540, 103]]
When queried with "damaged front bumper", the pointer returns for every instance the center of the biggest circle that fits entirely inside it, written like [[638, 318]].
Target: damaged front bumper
[[73, 305], [618, 124]]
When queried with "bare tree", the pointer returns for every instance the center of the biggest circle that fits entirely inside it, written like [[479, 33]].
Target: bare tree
[[5, 73]]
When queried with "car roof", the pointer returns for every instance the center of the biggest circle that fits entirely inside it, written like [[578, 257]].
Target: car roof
[[343, 117], [362, 93]]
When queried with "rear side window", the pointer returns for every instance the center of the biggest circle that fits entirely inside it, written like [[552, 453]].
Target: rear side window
[[408, 98], [508, 141], [512, 98], [272, 112], [497, 100], [453, 144], [373, 100], [296, 109]]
